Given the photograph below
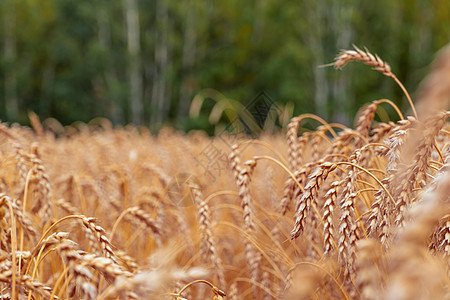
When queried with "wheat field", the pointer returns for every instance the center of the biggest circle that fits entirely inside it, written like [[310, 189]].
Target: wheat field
[[96, 212]]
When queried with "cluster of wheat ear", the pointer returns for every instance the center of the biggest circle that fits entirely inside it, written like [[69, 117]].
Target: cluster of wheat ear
[[92, 212]]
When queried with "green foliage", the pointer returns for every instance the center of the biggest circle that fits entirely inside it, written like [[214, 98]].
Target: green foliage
[[72, 60]]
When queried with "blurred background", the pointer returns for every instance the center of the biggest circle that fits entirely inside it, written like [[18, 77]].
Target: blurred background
[[143, 62]]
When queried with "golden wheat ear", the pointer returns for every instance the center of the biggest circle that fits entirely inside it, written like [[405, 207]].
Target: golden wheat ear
[[346, 56], [364, 56]]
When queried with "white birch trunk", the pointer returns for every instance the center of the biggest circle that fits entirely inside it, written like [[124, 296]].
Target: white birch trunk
[[340, 22], [134, 67], [10, 55], [114, 107], [160, 93], [188, 60]]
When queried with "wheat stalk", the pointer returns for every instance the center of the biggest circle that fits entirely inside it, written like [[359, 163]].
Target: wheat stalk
[[304, 203], [366, 57], [386, 238], [293, 144], [42, 191], [415, 173], [144, 217], [29, 284], [368, 263], [328, 207], [365, 121], [317, 137], [209, 246], [375, 61], [99, 235]]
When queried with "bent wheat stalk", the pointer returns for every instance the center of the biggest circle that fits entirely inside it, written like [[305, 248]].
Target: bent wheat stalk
[[376, 62]]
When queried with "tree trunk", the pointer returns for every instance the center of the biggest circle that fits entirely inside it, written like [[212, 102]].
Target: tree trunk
[[134, 68], [188, 60], [315, 40], [114, 103], [9, 52], [343, 30], [160, 93]]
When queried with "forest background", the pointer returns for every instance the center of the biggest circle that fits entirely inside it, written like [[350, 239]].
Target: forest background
[[143, 62]]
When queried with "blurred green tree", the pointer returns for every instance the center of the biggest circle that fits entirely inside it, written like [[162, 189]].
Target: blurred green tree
[[144, 61]]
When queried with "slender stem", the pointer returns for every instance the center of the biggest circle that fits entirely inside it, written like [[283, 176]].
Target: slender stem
[[257, 284], [116, 223], [264, 228], [265, 144], [407, 95], [438, 150], [393, 105], [255, 244], [220, 193], [320, 120], [24, 202], [283, 167], [193, 282], [371, 175], [14, 296], [55, 224], [337, 125]]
